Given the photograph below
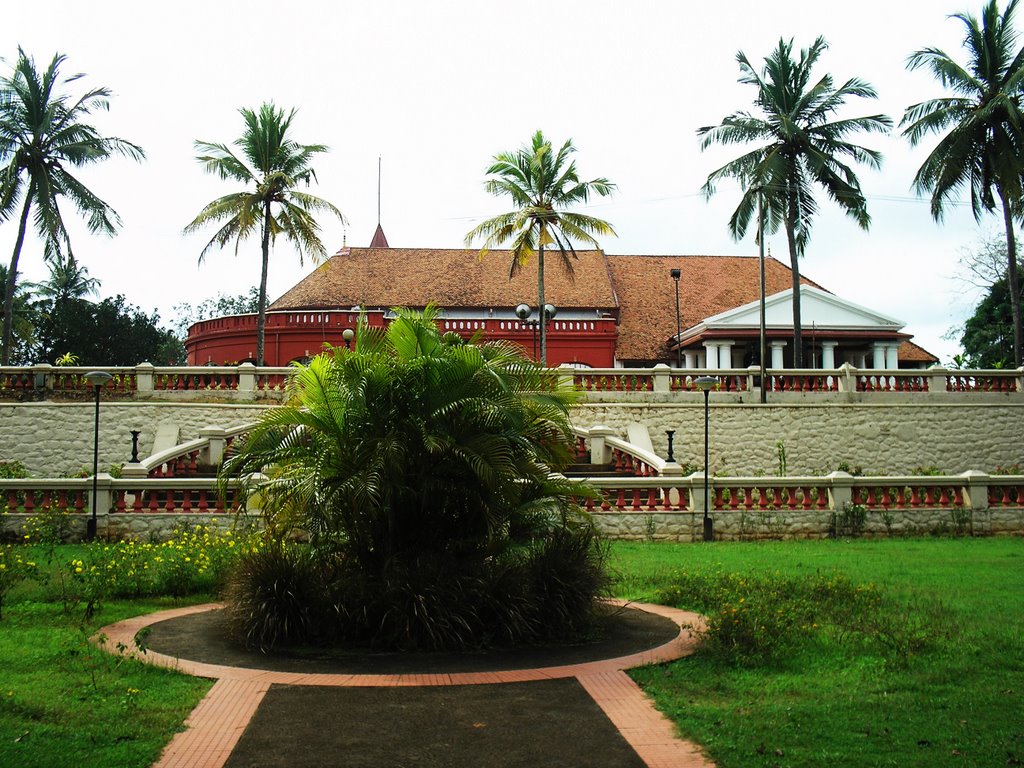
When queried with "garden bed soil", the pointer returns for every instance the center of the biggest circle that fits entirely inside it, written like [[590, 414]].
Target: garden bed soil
[[203, 637]]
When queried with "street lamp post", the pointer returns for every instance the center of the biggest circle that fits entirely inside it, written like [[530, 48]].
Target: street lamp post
[[676, 274], [549, 314], [98, 379], [705, 384], [523, 312], [348, 334]]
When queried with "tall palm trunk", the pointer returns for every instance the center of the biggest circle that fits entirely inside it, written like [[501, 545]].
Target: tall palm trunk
[[1013, 282], [540, 306], [12, 281], [261, 314], [798, 341]]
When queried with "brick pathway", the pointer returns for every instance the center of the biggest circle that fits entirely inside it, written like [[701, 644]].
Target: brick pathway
[[216, 724]]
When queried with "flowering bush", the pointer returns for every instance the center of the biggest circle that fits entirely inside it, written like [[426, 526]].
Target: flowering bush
[[14, 567], [195, 560], [763, 618]]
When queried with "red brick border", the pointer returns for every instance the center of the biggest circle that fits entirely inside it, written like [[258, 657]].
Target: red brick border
[[217, 723]]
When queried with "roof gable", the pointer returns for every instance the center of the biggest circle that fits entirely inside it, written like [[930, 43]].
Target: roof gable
[[818, 308]]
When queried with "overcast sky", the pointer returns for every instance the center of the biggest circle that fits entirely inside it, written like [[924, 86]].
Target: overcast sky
[[437, 89]]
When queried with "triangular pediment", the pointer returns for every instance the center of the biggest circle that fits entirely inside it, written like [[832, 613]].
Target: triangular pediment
[[818, 309]]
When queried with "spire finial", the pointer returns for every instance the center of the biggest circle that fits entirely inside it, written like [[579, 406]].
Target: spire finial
[[378, 189]]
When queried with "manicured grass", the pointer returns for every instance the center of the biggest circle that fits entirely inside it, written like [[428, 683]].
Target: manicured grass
[[66, 702], [841, 699]]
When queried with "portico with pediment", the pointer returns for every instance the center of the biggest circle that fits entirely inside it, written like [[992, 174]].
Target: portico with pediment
[[835, 331]]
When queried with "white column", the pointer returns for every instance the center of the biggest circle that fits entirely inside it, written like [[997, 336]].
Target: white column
[[777, 347], [711, 354], [725, 354], [892, 356], [828, 354], [878, 352], [689, 359]]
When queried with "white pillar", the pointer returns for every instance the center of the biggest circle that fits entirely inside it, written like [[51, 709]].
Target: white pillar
[[777, 347], [878, 352], [828, 354], [892, 356], [711, 355], [690, 359], [725, 354]]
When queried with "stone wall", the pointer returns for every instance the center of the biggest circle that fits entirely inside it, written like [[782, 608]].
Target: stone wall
[[56, 439], [737, 525], [889, 438]]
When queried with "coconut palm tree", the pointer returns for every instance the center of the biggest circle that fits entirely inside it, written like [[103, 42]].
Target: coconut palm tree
[[271, 164], [421, 465], [542, 185], [983, 150], [43, 134], [26, 314], [803, 148], [67, 281]]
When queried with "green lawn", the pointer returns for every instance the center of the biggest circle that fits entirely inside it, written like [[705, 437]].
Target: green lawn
[[65, 702], [841, 700], [836, 699]]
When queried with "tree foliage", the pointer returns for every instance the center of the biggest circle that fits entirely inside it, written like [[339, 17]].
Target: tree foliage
[[543, 184], [420, 467], [44, 134], [109, 332], [982, 126], [987, 337], [801, 147], [271, 165]]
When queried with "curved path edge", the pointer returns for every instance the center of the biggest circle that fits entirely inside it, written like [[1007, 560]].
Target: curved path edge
[[216, 724]]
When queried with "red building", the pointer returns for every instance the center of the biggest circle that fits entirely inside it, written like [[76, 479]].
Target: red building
[[612, 310]]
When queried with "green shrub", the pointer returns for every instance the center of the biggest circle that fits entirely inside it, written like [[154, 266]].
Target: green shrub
[[12, 470], [15, 567], [422, 468], [849, 521], [275, 596], [765, 619]]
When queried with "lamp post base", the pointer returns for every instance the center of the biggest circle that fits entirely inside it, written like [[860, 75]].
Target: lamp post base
[[709, 529], [90, 529]]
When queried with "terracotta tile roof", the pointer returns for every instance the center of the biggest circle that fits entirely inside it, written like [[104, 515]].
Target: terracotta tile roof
[[910, 352], [414, 277], [708, 285]]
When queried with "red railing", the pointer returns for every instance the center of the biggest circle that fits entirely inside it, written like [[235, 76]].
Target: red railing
[[620, 381], [878, 493], [727, 382], [218, 379], [972, 382], [802, 382], [768, 495]]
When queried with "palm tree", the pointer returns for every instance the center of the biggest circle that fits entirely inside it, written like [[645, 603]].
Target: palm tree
[[984, 148], [271, 164], [67, 281], [421, 465], [803, 149], [42, 135], [25, 314], [542, 184]]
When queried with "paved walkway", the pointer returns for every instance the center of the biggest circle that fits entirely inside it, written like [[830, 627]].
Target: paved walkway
[[217, 723]]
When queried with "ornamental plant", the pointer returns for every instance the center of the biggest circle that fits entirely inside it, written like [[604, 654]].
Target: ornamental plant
[[14, 568], [420, 467]]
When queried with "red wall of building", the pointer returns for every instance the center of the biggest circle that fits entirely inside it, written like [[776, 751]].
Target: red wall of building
[[294, 335]]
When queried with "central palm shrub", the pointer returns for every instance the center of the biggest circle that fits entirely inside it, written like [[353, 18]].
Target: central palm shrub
[[420, 468]]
